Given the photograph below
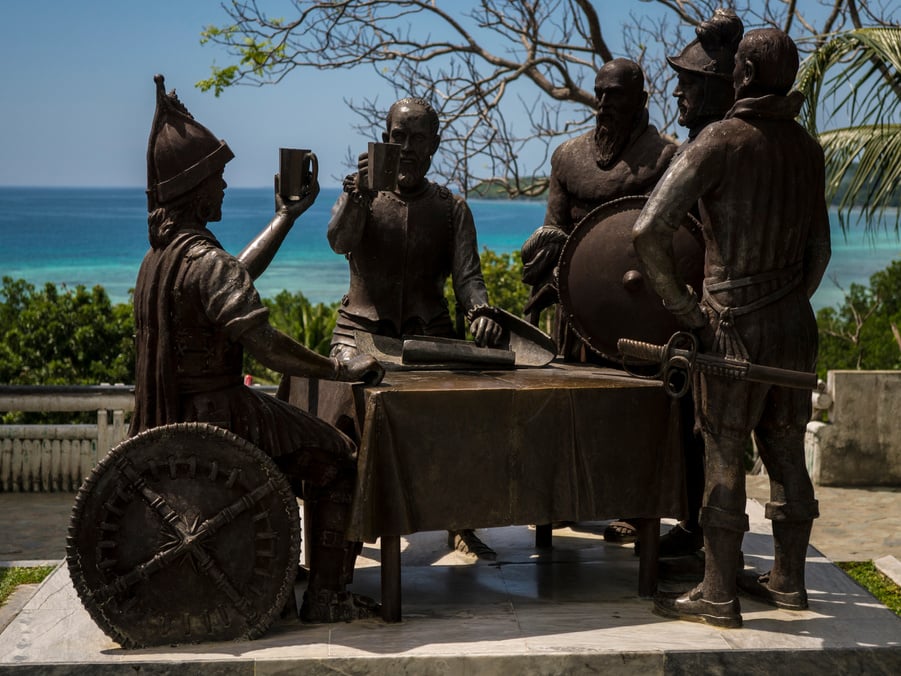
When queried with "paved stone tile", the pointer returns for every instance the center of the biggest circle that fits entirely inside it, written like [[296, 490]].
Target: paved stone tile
[[569, 610], [890, 567], [855, 524], [33, 525], [573, 609]]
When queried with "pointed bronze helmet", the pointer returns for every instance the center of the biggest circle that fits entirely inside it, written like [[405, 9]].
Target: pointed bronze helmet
[[181, 152], [713, 52]]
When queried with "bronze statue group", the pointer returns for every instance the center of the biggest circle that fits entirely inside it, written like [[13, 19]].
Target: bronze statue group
[[749, 173]]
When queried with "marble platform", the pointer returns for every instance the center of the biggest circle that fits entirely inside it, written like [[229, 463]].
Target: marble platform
[[570, 610]]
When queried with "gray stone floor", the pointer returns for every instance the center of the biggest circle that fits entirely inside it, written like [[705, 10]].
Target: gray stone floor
[[855, 524], [568, 611]]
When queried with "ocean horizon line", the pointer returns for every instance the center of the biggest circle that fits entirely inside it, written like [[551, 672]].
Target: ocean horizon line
[[88, 235], [883, 227]]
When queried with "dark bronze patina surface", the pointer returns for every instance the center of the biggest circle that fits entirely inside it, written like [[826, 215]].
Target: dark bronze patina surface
[[403, 244], [759, 179], [603, 285], [183, 534], [624, 155], [564, 442], [162, 547]]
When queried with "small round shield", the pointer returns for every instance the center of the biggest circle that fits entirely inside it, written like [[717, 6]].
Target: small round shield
[[182, 534], [603, 285]]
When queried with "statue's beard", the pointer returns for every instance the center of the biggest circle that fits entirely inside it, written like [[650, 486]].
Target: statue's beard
[[609, 141], [410, 175]]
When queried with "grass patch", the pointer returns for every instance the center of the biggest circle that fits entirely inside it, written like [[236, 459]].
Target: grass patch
[[10, 578], [882, 587]]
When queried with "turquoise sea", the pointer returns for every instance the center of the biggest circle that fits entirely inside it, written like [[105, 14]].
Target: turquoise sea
[[94, 236]]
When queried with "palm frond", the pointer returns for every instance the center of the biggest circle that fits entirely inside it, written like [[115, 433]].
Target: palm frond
[[863, 171], [858, 75], [858, 70]]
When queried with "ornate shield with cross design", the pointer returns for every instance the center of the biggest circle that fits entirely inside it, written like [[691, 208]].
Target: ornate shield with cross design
[[603, 286], [182, 534]]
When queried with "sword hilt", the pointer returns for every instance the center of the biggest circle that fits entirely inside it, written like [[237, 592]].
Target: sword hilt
[[676, 359], [640, 350]]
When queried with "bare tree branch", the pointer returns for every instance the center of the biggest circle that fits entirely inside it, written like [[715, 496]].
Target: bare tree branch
[[510, 79]]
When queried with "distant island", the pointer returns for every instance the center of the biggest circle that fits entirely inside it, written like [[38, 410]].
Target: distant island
[[532, 188], [535, 188]]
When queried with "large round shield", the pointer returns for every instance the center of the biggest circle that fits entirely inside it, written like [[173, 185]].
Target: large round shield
[[603, 286], [181, 534]]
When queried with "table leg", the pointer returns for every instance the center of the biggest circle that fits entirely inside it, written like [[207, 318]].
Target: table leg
[[391, 578], [544, 535], [649, 536]]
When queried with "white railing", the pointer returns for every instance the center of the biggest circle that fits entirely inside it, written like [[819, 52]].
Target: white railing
[[59, 457]]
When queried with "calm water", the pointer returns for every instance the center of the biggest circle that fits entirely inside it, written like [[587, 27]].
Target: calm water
[[98, 236]]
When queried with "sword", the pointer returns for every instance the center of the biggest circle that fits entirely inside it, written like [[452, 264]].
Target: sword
[[680, 357]]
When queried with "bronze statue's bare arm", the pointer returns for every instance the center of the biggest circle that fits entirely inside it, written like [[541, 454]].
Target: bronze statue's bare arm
[[558, 210], [467, 279], [653, 232], [257, 255], [541, 251], [281, 353], [345, 229]]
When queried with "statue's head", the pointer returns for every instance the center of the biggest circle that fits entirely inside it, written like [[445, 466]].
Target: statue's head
[[704, 70], [185, 163], [766, 63], [181, 152], [413, 124], [621, 98]]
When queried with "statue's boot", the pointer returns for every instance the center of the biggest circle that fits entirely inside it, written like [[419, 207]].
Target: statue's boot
[[687, 568], [680, 540], [692, 606], [332, 560], [715, 600], [784, 585], [327, 605], [467, 542]]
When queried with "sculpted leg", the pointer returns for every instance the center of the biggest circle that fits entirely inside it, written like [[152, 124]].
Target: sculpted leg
[[715, 600], [332, 559], [791, 508]]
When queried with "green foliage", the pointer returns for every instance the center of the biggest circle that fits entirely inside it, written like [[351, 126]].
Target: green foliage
[[256, 56], [10, 578], [310, 325], [503, 280], [63, 336], [863, 332], [882, 587]]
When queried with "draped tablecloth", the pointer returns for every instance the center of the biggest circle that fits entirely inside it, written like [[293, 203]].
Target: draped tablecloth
[[470, 449]]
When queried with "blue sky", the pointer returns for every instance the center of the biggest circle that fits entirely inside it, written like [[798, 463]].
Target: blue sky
[[78, 93]]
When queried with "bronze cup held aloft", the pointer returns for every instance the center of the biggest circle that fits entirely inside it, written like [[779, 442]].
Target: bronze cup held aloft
[[298, 169], [384, 163]]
